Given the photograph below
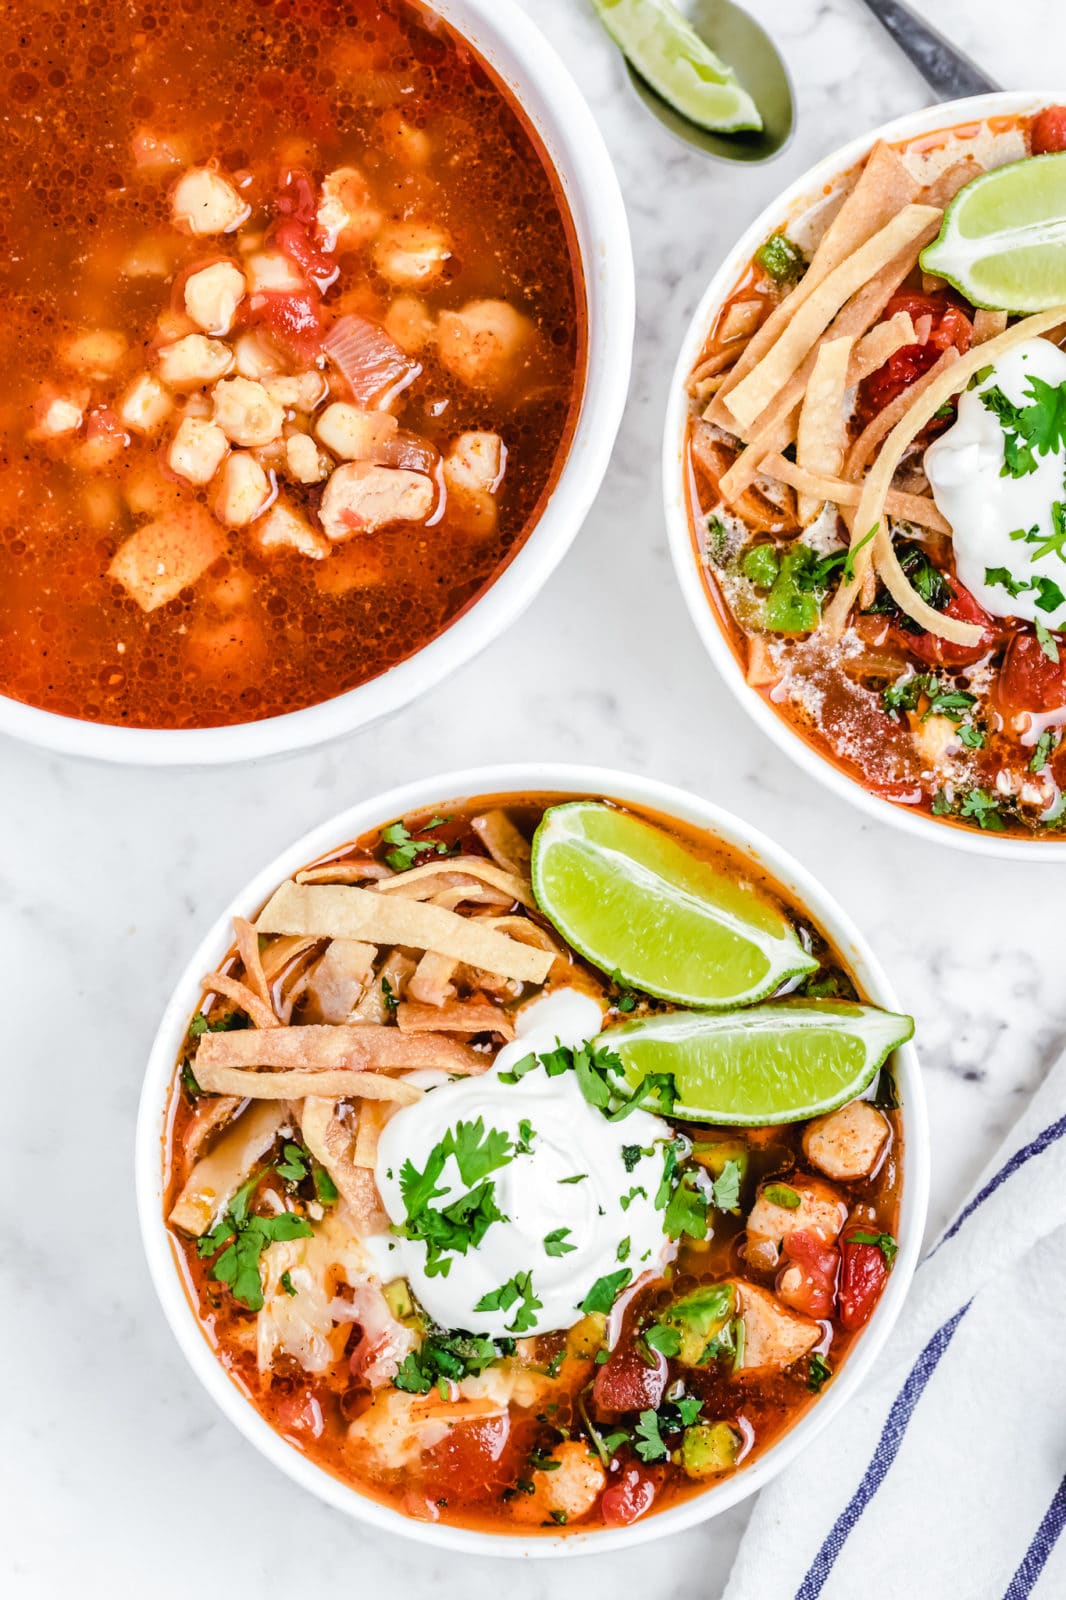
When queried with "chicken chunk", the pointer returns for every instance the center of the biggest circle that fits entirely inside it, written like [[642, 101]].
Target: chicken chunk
[[781, 1208], [411, 255], [483, 343], [205, 203], [197, 450], [243, 491], [194, 361], [397, 1428], [475, 461], [354, 434], [302, 392], [284, 529], [304, 461], [566, 1492], [97, 354], [773, 1337], [847, 1144], [212, 296], [348, 214], [146, 405], [360, 498], [246, 413], [165, 556], [272, 271]]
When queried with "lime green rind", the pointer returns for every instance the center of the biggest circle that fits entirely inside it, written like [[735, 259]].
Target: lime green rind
[[777, 1063], [630, 899], [668, 53], [1002, 243]]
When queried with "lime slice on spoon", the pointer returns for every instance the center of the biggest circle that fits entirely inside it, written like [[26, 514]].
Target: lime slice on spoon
[[669, 54], [1003, 239], [772, 1064], [632, 900]]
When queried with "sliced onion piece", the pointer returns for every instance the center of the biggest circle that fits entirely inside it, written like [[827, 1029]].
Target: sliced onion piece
[[374, 367]]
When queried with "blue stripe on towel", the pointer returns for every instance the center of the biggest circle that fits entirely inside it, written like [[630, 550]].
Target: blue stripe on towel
[[1035, 1559], [1025, 1153], [892, 1435]]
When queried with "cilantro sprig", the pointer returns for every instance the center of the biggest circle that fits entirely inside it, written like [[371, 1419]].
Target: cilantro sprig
[[407, 847], [241, 1237]]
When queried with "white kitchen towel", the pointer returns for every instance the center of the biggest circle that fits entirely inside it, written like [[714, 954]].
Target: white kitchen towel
[[945, 1478]]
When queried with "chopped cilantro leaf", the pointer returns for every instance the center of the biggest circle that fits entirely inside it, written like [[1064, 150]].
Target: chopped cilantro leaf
[[627, 1199], [726, 1188], [1046, 743], [287, 1283], [664, 1339], [884, 1242], [1046, 641], [293, 1167], [555, 1242], [782, 1194], [818, 1371], [648, 1441], [686, 1211], [601, 1296]]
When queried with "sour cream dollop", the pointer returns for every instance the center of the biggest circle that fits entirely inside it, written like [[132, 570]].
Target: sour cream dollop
[[562, 1184], [964, 468]]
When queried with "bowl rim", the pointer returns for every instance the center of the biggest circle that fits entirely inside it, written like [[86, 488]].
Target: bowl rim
[[529, 777], [912, 124], [549, 97]]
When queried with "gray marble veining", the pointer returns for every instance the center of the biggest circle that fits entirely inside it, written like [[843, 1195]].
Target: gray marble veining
[[118, 1475]]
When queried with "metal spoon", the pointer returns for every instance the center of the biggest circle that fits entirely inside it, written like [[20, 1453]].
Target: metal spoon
[[738, 39], [943, 66]]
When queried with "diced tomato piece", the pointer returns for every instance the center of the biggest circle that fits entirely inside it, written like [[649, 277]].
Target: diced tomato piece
[[1047, 131], [863, 1273], [628, 1499], [296, 197], [818, 1262], [938, 652], [949, 326], [1028, 679], [473, 1457], [627, 1382], [291, 238], [295, 320], [301, 1412]]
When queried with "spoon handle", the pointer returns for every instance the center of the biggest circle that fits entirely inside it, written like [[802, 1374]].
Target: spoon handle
[[945, 68]]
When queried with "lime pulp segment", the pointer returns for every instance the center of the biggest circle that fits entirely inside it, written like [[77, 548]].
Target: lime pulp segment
[[772, 1064], [633, 901], [1003, 239], [668, 53]]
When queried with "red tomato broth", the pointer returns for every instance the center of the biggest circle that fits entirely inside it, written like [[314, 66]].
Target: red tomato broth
[[479, 1472], [259, 89], [833, 698]]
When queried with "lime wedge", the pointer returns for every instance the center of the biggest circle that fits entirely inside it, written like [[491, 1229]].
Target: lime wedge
[[632, 900], [776, 1063], [1003, 239], [668, 53]]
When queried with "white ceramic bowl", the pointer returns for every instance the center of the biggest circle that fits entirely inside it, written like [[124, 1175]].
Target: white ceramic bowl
[[686, 559], [358, 819], [550, 98]]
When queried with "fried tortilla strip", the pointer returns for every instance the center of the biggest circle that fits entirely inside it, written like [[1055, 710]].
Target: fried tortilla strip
[[431, 981], [741, 320], [916, 508], [988, 325], [336, 1084], [422, 882], [754, 393], [340, 978], [215, 1179], [332, 1143], [360, 871], [881, 426], [373, 1115], [883, 188], [777, 428], [317, 1047], [871, 509], [337, 911], [507, 847], [248, 950], [822, 429], [262, 1016], [455, 1016]]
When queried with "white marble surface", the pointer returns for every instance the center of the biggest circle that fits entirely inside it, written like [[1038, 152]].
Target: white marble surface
[[118, 1476]]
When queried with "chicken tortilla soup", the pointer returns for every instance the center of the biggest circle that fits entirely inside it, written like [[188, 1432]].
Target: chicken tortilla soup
[[293, 346], [877, 444], [533, 1165]]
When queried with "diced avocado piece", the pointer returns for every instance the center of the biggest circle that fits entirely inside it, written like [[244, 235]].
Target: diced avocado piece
[[708, 1448], [586, 1336], [698, 1317], [399, 1301], [713, 1157], [761, 565], [780, 259]]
